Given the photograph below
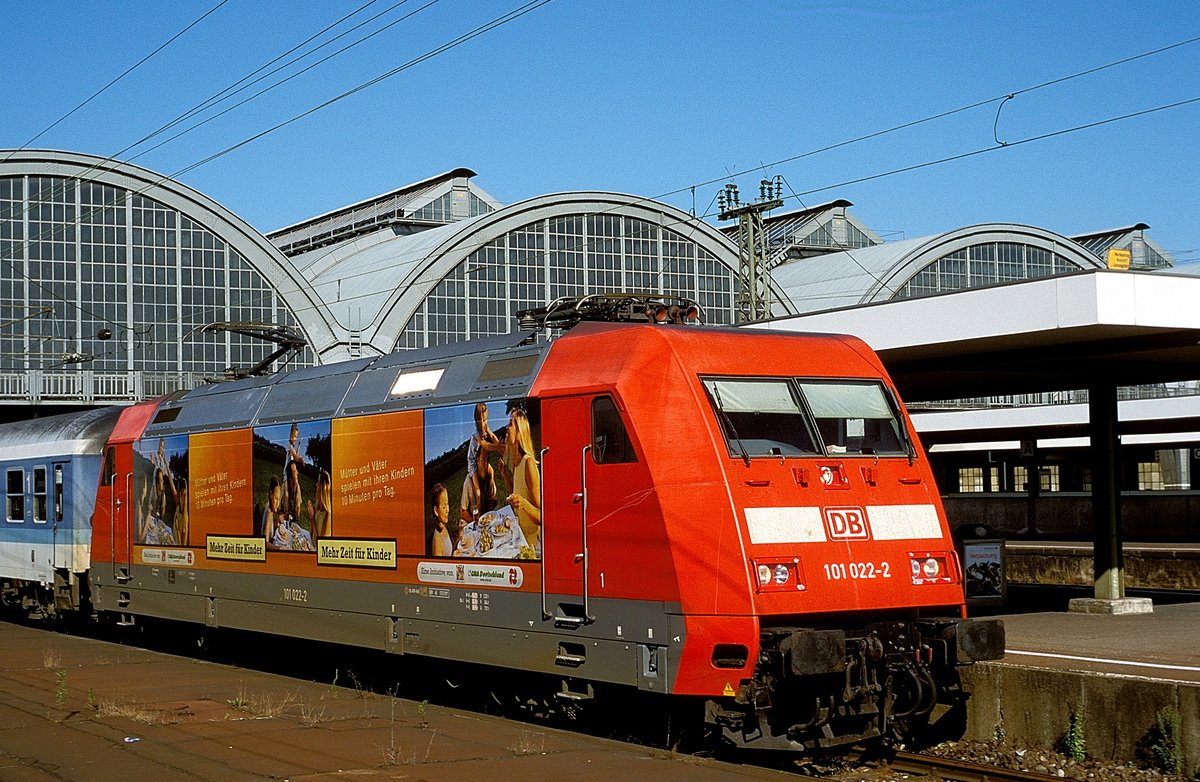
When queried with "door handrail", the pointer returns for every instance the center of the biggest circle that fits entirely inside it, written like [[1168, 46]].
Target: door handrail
[[583, 490], [128, 526], [542, 502]]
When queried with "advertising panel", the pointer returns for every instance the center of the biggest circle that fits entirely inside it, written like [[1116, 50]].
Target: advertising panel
[[377, 483], [292, 485], [483, 481], [453, 482], [220, 489], [160, 486], [983, 565]]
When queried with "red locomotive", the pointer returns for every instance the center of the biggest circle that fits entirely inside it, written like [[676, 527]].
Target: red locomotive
[[736, 519]]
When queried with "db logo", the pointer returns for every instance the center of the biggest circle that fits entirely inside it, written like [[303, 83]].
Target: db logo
[[846, 523]]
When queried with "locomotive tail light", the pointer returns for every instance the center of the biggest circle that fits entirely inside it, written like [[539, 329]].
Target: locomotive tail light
[[777, 575], [930, 567]]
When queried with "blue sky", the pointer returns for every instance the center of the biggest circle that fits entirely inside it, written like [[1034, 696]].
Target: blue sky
[[647, 97]]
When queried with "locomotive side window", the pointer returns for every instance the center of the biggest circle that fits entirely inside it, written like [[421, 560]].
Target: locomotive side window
[[507, 368], [39, 495], [15, 507], [610, 440], [854, 417], [417, 381], [761, 417], [110, 467]]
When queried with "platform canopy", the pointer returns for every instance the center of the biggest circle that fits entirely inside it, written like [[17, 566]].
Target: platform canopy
[[1059, 333]]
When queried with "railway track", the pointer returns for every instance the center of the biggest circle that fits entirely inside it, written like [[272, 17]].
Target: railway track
[[957, 770]]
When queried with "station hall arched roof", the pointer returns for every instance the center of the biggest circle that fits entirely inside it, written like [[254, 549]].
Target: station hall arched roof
[[877, 273], [300, 296], [375, 283]]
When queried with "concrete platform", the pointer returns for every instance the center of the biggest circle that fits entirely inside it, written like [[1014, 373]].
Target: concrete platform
[[79, 709], [1117, 671], [1169, 566]]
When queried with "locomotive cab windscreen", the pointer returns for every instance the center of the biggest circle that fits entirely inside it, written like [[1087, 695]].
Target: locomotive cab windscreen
[[764, 417]]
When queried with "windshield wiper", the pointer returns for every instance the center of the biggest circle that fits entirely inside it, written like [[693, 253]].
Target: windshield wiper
[[727, 421]]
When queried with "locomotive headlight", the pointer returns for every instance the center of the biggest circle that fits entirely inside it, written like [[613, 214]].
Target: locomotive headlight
[[776, 575], [930, 567]]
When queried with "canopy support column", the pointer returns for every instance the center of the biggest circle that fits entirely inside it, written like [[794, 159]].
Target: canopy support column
[[1109, 564], [1108, 556]]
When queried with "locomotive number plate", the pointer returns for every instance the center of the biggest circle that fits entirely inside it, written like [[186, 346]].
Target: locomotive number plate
[[845, 571], [295, 595]]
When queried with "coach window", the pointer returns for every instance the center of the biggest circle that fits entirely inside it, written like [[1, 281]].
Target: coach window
[[610, 440], [39, 495], [110, 467], [16, 495]]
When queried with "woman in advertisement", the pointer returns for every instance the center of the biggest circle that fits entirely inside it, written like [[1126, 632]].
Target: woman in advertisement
[[319, 513], [160, 523], [524, 477]]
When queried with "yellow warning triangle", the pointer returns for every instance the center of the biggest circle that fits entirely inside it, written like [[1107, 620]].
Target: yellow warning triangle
[[728, 691]]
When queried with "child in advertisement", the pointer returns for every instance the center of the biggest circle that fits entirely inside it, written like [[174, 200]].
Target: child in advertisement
[[480, 495], [441, 544]]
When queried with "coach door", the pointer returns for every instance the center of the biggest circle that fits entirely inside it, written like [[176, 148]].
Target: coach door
[[64, 550], [566, 436]]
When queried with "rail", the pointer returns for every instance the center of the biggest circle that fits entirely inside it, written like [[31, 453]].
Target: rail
[[952, 770]]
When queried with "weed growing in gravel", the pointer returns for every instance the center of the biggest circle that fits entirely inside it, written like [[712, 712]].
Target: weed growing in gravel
[[60, 688], [51, 659], [355, 684], [1163, 742], [311, 714], [260, 705], [107, 707], [392, 753], [1073, 742], [529, 743]]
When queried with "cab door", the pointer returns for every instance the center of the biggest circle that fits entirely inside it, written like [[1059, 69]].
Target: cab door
[[566, 436], [112, 532]]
